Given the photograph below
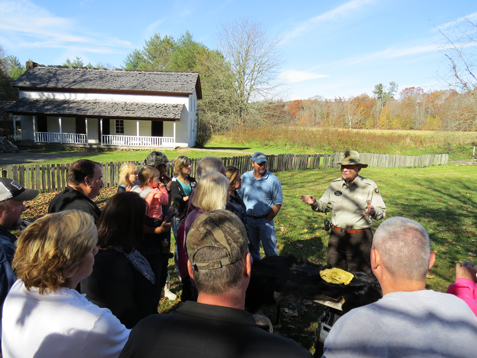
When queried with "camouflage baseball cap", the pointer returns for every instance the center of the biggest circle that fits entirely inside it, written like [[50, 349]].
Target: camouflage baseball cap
[[218, 228], [157, 158]]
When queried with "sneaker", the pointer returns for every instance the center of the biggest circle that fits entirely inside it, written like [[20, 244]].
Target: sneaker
[[169, 294]]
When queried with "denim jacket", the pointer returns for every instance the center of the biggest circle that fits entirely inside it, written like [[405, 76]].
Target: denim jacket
[[7, 276]]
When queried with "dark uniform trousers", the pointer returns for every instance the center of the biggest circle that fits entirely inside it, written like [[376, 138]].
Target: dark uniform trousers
[[350, 252]]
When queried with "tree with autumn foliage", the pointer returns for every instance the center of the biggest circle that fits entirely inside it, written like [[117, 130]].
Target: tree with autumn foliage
[[294, 108]]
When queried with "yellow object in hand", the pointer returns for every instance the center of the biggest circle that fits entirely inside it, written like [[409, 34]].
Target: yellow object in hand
[[336, 276]]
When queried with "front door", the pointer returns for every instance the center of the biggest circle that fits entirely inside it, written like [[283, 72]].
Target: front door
[[80, 125], [157, 128], [93, 130], [42, 124]]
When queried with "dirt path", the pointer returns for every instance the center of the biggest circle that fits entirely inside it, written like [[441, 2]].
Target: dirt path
[[24, 157]]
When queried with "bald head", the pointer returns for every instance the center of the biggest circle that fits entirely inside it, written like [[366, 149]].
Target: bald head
[[404, 247], [209, 165]]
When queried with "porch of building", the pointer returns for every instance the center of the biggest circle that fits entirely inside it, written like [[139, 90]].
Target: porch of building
[[103, 139]]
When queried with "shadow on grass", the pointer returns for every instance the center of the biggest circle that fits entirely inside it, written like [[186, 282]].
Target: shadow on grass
[[445, 207], [227, 148], [312, 249]]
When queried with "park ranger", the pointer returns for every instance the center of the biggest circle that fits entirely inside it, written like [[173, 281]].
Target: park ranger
[[354, 202]]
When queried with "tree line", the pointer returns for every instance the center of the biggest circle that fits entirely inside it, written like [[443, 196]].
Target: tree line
[[415, 109]]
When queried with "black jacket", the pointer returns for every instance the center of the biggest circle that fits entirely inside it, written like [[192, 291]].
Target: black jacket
[[70, 199], [199, 330], [177, 193], [116, 284]]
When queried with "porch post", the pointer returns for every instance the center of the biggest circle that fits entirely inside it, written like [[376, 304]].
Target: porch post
[[34, 128], [137, 127], [61, 131], [86, 125], [15, 127], [101, 131], [174, 133]]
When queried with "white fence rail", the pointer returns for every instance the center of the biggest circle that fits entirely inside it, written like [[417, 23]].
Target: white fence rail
[[137, 141], [56, 137]]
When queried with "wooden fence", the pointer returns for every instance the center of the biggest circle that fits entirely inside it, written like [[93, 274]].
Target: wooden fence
[[52, 177]]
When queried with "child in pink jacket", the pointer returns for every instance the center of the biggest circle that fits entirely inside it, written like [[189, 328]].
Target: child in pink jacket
[[155, 194], [465, 286]]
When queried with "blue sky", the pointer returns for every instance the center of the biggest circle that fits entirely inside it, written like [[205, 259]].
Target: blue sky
[[329, 48]]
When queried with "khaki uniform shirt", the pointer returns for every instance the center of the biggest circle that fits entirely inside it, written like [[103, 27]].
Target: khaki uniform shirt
[[347, 202]]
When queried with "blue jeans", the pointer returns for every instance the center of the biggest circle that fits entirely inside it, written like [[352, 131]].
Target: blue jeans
[[176, 222], [261, 230]]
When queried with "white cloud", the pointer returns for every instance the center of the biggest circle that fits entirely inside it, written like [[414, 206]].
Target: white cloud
[[152, 28], [397, 51], [344, 10], [389, 53], [403, 51], [293, 76], [34, 26], [455, 22], [85, 3]]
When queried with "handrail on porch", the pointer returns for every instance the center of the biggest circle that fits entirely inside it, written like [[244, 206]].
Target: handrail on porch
[[56, 137], [137, 141]]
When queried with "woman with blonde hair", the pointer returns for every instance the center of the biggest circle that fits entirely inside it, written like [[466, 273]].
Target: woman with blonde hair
[[43, 314], [127, 177], [211, 194]]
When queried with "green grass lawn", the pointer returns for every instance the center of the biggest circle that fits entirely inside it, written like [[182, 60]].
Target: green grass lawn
[[133, 155]]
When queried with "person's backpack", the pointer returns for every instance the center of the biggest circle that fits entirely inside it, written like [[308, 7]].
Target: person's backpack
[[142, 193], [145, 193]]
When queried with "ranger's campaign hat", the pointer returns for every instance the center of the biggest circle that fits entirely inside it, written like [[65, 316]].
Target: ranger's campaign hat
[[157, 158], [218, 228], [10, 189], [259, 158], [351, 157]]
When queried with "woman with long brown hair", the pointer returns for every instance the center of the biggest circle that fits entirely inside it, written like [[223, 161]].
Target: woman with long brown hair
[[122, 279]]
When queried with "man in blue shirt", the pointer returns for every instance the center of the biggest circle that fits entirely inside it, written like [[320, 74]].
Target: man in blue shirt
[[262, 194], [12, 195]]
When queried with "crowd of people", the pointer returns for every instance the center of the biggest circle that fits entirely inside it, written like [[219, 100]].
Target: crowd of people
[[81, 282]]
